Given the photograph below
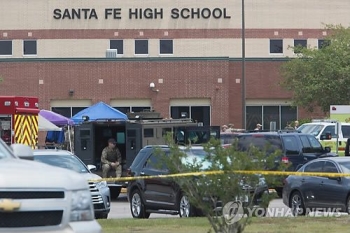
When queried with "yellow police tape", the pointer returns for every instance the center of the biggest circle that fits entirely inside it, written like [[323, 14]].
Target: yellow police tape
[[241, 172]]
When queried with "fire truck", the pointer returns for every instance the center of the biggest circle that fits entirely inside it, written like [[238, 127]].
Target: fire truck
[[19, 120], [142, 129]]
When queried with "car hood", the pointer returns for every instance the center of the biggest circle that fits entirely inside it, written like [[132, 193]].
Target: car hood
[[18, 173], [90, 176]]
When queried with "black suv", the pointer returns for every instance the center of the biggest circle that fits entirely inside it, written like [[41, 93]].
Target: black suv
[[163, 195], [297, 148]]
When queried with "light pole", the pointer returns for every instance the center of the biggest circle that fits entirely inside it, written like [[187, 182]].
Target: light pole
[[243, 70]]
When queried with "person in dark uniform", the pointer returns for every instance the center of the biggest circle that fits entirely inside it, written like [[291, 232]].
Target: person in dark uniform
[[347, 147]]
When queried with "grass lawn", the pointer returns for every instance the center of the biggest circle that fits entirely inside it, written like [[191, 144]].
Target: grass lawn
[[201, 225]]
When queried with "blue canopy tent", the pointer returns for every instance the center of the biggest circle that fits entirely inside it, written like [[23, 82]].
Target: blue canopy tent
[[99, 111]]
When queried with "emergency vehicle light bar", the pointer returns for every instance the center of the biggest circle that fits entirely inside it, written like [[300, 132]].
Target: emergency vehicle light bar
[[324, 120]]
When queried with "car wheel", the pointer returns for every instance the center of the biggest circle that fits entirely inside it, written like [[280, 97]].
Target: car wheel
[[297, 204], [185, 208], [136, 205], [348, 205]]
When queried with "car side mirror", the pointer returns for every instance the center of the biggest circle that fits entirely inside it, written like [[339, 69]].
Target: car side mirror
[[22, 151], [326, 136], [335, 178], [91, 167], [327, 149]]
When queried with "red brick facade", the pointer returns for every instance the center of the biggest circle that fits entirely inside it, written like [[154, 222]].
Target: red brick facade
[[129, 79]]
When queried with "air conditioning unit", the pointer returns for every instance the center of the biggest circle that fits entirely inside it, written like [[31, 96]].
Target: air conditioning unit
[[112, 53]]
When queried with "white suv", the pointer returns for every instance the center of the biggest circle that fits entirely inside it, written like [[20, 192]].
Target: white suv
[[35, 197]]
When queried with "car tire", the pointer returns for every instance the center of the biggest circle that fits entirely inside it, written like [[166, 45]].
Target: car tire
[[101, 216], [115, 192], [137, 206], [348, 205], [296, 204], [185, 208]]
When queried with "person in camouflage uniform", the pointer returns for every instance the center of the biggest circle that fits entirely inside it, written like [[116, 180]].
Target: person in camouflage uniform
[[111, 158]]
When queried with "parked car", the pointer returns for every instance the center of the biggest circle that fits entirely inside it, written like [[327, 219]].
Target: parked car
[[36, 197], [100, 192], [163, 195], [302, 193], [296, 148]]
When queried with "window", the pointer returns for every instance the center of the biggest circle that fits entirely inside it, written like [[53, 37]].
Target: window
[[323, 43], [29, 47], [67, 111], [5, 47], [141, 47], [276, 46], [298, 44], [270, 143], [282, 115], [315, 144], [133, 109], [291, 145], [314, 167], [330, 129], [166, 47], [346, 131], [196, 113], [118, 45], [155, 161], [306, 144], [152, 161], [148, 133], [330, 167]]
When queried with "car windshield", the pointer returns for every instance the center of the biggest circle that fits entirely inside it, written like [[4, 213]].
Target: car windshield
[[311, 129], [5, 151], [65, 161], [345, 166], [197, 156]]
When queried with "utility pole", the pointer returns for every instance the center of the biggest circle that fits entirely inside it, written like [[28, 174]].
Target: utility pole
[[243, 70]]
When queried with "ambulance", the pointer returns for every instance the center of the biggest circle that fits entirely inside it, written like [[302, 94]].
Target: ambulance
[[19, 120], [338, 125]]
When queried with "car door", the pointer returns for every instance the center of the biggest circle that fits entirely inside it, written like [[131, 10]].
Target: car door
[[332, 192], [310, 185], [158, 192], [307, 149]]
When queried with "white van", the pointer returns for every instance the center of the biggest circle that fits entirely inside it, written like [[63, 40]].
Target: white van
[[321, 127]]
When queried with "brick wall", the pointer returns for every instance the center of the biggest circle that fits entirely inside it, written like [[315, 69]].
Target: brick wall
[[130, 80]]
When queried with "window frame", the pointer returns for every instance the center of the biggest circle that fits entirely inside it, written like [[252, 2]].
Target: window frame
[[276, 54], [325, 162], [172, 47], [36, 48], [303, 40], [141, 54], [313, 163], [110, 45], [7, 55]]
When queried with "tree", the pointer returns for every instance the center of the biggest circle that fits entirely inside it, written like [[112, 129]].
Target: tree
[[320, 77], [206, 191]]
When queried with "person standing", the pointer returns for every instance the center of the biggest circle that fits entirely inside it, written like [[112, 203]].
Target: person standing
[[296, 124], [111, 159]]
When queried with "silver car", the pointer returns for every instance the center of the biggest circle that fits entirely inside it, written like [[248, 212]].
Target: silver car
[[100, 192]]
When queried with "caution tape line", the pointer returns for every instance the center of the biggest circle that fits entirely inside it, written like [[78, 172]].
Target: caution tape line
[[241, 172]]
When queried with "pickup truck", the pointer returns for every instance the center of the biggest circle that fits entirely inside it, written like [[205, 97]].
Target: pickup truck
[[35, 197]]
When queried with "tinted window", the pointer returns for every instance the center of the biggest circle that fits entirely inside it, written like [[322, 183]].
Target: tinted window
[[227, 138], [141, 46], [139, 158], [346, 131], [315, 144], [330, 167], [155, 162], [4, 150], [345, 166], [64, 161], [330, 129], [166, 46], [118, 45], [276, 46], [270, 142], [29, 47], [291, 144], [314, 167], [5, 47], [311, 129]]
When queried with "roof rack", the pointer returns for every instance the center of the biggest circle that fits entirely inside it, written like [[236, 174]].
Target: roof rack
[[164, 121], [324, 120]]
